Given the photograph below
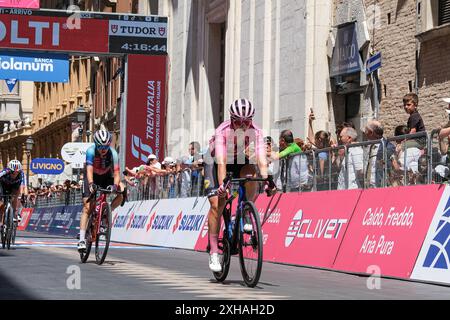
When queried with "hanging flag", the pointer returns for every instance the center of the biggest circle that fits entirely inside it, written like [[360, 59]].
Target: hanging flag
[[11, 83]]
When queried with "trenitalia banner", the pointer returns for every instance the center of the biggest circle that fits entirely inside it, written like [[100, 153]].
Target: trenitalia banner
[[33, 66], [146, 108], [433, 263], [47, 166], [387, 230], [82, 32], [29, 4]]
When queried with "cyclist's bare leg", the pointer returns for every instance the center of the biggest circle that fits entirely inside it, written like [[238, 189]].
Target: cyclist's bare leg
[[87, 206], [15, 201], [250, 187], [215, 211]]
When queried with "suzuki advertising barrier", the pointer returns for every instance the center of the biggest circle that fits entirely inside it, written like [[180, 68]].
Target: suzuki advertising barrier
[[146, 109], [47, 166], [433, 263], [387, 230], [33, 66], [168, 223]]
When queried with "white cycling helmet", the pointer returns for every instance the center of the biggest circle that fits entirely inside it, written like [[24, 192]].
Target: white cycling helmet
[[169, 161], [102, 138], [242, 109], [15, 165]]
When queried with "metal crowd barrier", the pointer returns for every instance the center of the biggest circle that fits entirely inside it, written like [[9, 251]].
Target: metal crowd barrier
[[411, 159], [183, 184], [63, 198]]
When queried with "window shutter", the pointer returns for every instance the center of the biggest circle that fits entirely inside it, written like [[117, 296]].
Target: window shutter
[[444, 11]]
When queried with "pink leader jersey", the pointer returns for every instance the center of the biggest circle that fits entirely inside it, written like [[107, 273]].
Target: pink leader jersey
[[229, 142]]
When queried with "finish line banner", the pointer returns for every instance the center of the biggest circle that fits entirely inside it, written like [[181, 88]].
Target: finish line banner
[[82, 32], [39, 67]]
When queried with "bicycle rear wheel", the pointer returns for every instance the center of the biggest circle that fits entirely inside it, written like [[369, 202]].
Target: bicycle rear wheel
[[250, 245], [104, 236], [224, 248], [88, 238]]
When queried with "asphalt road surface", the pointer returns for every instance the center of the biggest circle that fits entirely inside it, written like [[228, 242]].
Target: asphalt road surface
[[48, 267]]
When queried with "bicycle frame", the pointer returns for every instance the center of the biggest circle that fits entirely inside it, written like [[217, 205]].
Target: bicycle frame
[[100, 203], [242, 198]]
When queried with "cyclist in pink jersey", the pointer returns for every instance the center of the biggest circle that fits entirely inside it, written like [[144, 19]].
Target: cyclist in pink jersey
[[230, 150]]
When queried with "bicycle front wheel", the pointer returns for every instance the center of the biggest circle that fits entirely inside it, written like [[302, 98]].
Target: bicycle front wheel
[[85, 255], [104, 235], [224, 248], [250, 245], [9, 226]]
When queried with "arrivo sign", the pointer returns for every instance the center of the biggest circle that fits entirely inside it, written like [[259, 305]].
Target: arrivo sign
[[82, 32]]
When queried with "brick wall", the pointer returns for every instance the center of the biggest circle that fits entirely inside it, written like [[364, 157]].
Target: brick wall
[[397, 43], [434, 80]]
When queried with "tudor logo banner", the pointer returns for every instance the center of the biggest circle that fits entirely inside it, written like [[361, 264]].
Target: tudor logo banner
[[146, 108]]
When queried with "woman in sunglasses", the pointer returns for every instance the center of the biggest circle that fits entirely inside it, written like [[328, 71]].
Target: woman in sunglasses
[[237, 146], [102, 169]]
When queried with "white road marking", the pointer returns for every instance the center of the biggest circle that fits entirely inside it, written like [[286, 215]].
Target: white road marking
[[200, 287]]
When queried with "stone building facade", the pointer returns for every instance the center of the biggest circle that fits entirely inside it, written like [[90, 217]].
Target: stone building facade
[[272, 52], [414, 41]]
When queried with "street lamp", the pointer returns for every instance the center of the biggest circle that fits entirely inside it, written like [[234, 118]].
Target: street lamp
[[28, 147], [80, 117]]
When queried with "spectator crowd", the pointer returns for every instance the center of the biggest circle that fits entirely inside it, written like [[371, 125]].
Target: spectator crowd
[[321, 161]]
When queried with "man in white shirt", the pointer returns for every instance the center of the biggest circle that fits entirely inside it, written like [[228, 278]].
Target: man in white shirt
[[355, 165]]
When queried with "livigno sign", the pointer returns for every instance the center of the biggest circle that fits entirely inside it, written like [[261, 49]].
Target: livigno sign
[[47, 166]]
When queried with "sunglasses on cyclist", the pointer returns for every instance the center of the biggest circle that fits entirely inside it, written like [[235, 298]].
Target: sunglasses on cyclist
[[239, 122], [103, 148]]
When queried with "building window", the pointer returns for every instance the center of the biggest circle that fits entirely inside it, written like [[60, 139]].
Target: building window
[[444, 11]]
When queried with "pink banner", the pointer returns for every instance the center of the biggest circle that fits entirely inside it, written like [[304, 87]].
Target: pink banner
[[29, 4], [307, 228], [387, 230]]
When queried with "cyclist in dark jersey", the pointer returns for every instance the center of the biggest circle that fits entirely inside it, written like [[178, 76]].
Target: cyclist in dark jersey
[[102, 169], [12, 182]]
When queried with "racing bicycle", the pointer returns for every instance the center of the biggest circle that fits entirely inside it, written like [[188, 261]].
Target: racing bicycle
[[240, 233], [98, 229]]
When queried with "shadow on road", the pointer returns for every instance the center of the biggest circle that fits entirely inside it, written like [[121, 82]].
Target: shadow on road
[[10, 290]]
